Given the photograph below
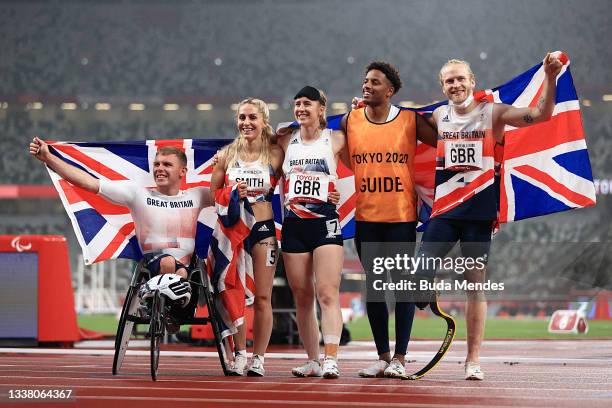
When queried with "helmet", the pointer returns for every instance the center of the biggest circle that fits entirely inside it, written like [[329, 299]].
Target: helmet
[[170, 285]]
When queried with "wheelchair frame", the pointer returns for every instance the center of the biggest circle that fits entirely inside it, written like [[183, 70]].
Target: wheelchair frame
[[156, 322]]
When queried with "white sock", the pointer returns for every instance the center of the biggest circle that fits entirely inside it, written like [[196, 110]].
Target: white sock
[[261, 358], [242, 353]]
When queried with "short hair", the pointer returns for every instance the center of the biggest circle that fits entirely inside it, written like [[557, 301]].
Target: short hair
[[168, 150], [456, 61], [390, 72]]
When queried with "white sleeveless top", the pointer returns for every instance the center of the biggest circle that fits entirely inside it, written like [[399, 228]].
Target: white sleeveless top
[[260, 179], [313, 156], [305, 165], [465, 164]]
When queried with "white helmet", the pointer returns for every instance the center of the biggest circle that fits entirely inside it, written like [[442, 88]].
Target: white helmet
[[170, 285]]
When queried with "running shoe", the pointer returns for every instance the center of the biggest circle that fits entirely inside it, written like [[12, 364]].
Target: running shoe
[[396, 369], [473, 371], [256, 369], [239, 365], [312, 368], [330, 368], [375, 370]]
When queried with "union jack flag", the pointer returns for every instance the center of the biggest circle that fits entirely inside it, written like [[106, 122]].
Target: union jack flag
[[545, 167], [229, 264]]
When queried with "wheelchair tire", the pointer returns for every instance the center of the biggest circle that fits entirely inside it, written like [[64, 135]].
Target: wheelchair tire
[[125, 328], [214, 322], [156, 331]]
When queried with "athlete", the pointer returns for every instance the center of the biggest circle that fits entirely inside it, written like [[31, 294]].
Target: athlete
[[251, 159], [165, 217], [311, 235], [381, 143], [466, 195]]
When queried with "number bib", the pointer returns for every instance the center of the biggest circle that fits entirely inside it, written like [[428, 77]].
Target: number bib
[[256, 178], [463, 155], [311, 187]]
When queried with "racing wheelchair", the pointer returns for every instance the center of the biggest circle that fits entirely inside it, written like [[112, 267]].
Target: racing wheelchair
[[164, 291]]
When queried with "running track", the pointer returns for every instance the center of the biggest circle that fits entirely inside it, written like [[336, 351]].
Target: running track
[[518, 374]]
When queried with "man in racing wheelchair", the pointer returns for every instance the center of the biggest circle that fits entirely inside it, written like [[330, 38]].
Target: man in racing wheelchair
[[165, 218]]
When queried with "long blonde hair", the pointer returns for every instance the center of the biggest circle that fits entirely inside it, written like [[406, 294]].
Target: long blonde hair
[[231, 152]]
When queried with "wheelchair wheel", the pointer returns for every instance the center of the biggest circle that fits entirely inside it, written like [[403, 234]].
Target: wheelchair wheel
[[214, 322], [156, 331], [125, 328]]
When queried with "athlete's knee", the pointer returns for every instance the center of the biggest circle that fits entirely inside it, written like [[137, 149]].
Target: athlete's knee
[[475, 295], [328, 296], [167, 264], [304, 297], [262, 303]]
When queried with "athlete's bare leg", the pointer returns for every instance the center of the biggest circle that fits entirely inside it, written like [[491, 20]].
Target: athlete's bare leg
[[327, 266], [264, 256], [475, 315], [299, 274], [168, 265]]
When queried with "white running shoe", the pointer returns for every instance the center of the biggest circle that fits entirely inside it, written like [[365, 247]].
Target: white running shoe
[[256, 369], [330, 368], [312, 368], [375, 370], [473, 371], [238, 365], [395, 369]]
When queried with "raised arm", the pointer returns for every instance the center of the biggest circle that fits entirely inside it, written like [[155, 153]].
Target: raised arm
[[521, 117], [74, 175]]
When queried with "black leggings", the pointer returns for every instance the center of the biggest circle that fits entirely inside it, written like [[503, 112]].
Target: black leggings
[[378, 314]]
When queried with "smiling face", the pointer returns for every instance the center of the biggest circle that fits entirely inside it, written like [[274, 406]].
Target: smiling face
[[307, 112], [457, 82], [168, 171], [250, 121], [376, 88]]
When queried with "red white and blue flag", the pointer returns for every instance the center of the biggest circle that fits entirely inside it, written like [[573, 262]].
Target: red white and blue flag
[[545, 169], [229, 264]]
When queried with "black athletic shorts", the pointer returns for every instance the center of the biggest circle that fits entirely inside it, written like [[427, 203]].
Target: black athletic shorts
[[305, 234], [262, 230], [152, 260]]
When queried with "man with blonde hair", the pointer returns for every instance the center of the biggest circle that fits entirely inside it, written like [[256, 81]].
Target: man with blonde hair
[[466, 196]]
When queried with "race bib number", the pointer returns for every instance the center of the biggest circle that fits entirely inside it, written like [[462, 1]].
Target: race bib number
[[256, 179], [308, 187], [333, 228], [463, 155]]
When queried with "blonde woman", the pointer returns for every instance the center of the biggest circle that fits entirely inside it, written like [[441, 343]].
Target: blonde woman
[[253, 160]]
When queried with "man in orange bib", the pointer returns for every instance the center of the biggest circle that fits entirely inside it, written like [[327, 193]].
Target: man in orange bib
[[381, 143]]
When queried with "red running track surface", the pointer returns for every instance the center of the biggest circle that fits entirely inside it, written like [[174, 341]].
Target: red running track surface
[[518, 374]]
